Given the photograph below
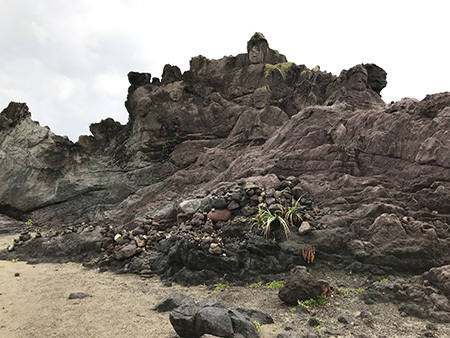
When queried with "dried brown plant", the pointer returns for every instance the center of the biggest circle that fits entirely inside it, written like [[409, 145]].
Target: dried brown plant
[[309, 254]]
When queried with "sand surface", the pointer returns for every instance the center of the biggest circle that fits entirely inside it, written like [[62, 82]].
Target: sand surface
[[34, 302]]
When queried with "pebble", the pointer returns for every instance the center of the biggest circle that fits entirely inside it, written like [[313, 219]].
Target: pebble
[[219, 215], [78, 295], [270, 201], [313, 321], [343, 320], [219, 203], [305, 228], [233, 205], [431, 326], [146, 273], [215, 249], [207, 239], [312, 334], [236, 196], [368, 321]]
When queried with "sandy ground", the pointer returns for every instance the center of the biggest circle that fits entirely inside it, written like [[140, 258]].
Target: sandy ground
[[34, 303]]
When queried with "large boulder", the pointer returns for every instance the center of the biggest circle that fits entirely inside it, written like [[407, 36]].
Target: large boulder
[[208, 317], [302, 286]]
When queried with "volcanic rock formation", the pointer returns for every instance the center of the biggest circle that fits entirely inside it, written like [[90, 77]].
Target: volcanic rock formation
[[174, 190]]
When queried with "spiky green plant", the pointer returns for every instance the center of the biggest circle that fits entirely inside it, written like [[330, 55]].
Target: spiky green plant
[[293, 213], [265, 218]]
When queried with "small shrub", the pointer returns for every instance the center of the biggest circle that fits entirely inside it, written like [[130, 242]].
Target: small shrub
[[384, 280], [314, 302], [294, 310], [320, 328], [347, 292], [14, 260], [258, 326], [285, 217], [220, 286], [351, 292], [29, 222], [256, 285]]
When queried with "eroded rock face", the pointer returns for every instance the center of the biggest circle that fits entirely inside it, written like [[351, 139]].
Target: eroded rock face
[[372, 178]]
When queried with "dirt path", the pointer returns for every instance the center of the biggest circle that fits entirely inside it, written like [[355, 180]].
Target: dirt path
[[34, 303]]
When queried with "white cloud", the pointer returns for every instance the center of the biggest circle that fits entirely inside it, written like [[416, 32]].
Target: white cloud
[[110, 84]]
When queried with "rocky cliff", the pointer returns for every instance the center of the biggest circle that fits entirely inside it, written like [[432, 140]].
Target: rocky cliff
[[179, 184]]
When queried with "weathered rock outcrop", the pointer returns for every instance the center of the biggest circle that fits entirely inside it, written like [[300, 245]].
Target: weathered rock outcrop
[[210, 317], [174, 190]]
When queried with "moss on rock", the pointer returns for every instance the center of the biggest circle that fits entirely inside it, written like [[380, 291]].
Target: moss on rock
[[283, 68]]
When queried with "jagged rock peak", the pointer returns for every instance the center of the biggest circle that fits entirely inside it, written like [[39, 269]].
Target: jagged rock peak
[[256, 39], [13, 115], [259, 52]]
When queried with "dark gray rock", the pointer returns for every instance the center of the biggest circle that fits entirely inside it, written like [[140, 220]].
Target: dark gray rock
[[376, 77], [183, 320], [126, 251], [211, 303], [214, 320], [210, 317], [233, 205], [173, 301], [137, 79], [243, 325], [301, 286], [219, 203], [313, 321], [343, 320], [78, 295], [255, 315], [171, 74]]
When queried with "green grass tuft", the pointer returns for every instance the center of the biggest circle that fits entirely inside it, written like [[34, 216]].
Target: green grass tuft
[[314, 302], [275, 284], [220, 286]]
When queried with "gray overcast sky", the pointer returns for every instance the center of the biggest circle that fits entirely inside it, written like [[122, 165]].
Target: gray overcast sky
[[69, 59]]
